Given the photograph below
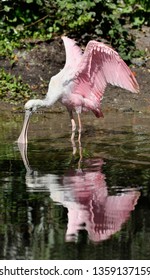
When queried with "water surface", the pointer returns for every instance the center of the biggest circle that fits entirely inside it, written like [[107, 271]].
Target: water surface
[[91, 205]]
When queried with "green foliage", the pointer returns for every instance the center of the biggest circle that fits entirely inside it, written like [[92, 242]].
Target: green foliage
[[88, 19], [137, 11], [12, 89], [74, 15]]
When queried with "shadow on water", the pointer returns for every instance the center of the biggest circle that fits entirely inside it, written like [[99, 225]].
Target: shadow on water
[[90, 205]]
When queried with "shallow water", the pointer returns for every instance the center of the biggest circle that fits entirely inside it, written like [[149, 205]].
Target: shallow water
[[91, 205]]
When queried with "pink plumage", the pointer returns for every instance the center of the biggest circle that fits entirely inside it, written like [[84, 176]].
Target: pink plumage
[[98, 66], [80, 85]]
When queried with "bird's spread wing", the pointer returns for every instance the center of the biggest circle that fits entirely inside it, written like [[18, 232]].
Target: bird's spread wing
[[73, 52], [100, 65]]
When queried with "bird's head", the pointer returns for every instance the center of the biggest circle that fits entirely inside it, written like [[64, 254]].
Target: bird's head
[[30, 107]]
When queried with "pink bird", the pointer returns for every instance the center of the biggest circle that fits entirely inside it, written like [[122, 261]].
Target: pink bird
[[80, 85]]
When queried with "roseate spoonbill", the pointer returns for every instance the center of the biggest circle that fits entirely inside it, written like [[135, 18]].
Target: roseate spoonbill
[[80, 85]]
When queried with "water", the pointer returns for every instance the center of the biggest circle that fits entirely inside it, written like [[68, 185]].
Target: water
[[93, 205]]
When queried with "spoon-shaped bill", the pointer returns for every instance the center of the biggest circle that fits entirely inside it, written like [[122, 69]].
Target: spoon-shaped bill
[[23, 135]]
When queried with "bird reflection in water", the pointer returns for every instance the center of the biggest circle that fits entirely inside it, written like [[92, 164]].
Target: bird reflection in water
[[84, 193]]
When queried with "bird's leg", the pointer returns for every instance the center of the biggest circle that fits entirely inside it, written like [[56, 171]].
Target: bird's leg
[[80, 129], [73, 125], [79, 141], [73, 143], [80, 154]]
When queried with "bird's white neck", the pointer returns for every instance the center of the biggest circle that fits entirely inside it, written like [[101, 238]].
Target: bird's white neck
[[47, 101], [55, 91]]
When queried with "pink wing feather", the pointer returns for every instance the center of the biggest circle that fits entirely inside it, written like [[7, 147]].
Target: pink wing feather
[[100, 65], [73, 52]]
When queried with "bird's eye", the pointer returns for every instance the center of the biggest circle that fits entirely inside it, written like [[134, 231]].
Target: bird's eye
[[29, 110]]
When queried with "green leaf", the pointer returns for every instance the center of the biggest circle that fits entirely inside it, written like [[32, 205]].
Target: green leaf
[[29, 1], [7, 8]]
